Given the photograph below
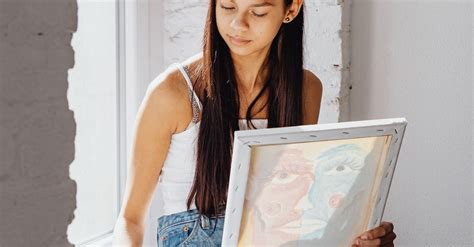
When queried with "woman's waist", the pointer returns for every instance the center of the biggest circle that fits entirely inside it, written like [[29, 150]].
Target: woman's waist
[[187, 215]]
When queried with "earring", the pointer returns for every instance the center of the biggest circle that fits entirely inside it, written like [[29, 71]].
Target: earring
[[287, 19]]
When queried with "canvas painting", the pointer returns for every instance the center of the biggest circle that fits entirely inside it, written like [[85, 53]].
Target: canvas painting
[[310, 193]]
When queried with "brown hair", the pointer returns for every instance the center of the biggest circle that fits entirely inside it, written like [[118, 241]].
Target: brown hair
[[220, 100]]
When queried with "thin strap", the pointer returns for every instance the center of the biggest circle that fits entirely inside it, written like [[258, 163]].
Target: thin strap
[[190, 84]]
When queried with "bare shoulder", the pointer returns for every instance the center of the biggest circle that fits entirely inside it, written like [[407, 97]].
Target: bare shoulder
[[312, 95], [311, 82], [167, 98]]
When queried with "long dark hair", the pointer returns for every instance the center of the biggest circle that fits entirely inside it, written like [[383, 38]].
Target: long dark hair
[[218, 92]]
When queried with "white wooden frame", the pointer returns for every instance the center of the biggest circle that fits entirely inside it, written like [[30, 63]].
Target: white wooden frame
[[245, 140]]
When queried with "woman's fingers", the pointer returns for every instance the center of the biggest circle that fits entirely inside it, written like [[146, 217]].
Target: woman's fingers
[[388, 239], [382, 235], [388, 226], [374, 233], [380, 231], [370, 242]]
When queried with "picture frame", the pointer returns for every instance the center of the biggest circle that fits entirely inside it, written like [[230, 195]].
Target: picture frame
[[311, 184]]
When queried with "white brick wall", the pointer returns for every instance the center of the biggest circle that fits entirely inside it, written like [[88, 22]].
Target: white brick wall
[[327, 54]]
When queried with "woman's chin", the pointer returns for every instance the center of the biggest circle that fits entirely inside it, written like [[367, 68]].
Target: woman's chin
[[239, 51]]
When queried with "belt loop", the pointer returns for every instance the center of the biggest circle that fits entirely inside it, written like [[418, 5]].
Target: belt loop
[[204, 222]]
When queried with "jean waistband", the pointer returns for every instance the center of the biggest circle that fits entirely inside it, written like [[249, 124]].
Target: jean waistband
[[185, 216]]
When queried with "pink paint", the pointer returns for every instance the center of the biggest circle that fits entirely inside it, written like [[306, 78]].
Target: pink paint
[[335, 200]]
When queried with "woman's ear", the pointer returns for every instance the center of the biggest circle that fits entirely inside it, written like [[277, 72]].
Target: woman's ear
[[293, 10]]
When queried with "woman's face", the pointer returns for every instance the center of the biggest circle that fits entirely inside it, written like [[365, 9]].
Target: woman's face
[[248, 26]]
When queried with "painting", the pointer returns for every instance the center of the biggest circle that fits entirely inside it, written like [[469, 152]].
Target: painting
[[321, 191]]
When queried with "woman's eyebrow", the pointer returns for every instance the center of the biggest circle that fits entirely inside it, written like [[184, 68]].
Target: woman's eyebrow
[[262, 4], [266, 3]]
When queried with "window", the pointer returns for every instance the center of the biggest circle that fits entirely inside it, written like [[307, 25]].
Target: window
[[96, 95], [106, 87]]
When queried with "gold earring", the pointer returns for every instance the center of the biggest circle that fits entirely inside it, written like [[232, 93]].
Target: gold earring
[[287, 19]]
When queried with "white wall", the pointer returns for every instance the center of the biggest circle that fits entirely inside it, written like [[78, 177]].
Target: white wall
[[414, 59]]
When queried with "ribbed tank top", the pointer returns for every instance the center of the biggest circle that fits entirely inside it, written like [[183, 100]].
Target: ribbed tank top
[[177, 173]]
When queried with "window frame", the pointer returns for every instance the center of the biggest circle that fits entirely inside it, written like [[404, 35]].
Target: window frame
[[105, 239]]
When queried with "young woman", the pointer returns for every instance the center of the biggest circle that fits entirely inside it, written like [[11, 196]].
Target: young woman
[[249, 75]]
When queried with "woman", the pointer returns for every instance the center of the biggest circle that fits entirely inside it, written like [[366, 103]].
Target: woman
[[251, 67]]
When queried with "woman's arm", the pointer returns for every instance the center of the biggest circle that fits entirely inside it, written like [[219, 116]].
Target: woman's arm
[[155, 123]]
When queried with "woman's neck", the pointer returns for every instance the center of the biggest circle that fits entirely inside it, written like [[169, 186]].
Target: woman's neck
[[251, 71]]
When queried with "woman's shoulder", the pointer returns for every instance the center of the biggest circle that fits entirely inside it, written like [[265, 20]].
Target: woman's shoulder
[[311, 81], [312, 85], [168, 93], [171, 83], [312, 95], [168, 87]]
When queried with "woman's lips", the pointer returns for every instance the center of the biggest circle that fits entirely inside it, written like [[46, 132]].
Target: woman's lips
[[238, 41]]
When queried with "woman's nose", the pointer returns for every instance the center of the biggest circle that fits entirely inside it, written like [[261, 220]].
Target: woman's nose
[[239, 24]]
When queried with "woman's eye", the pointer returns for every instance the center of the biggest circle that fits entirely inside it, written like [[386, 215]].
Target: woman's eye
[[284, 177], [258, 15], [340, 169], [227, 8]]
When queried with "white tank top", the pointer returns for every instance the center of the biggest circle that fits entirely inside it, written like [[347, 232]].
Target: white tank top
[[177, 174]]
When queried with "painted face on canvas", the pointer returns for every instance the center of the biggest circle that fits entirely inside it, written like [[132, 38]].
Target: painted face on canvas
[[283, 197], [337, 170], [249, 26]]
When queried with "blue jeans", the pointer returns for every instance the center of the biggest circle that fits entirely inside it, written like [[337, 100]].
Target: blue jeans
[[189, 228]]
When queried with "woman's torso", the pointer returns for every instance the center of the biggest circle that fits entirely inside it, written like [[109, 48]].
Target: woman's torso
[[177, 173]]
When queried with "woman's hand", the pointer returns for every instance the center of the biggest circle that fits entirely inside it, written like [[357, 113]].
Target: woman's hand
[[382, 235]]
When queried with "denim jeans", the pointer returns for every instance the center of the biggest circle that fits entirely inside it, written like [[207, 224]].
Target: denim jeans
[[189, 228]]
